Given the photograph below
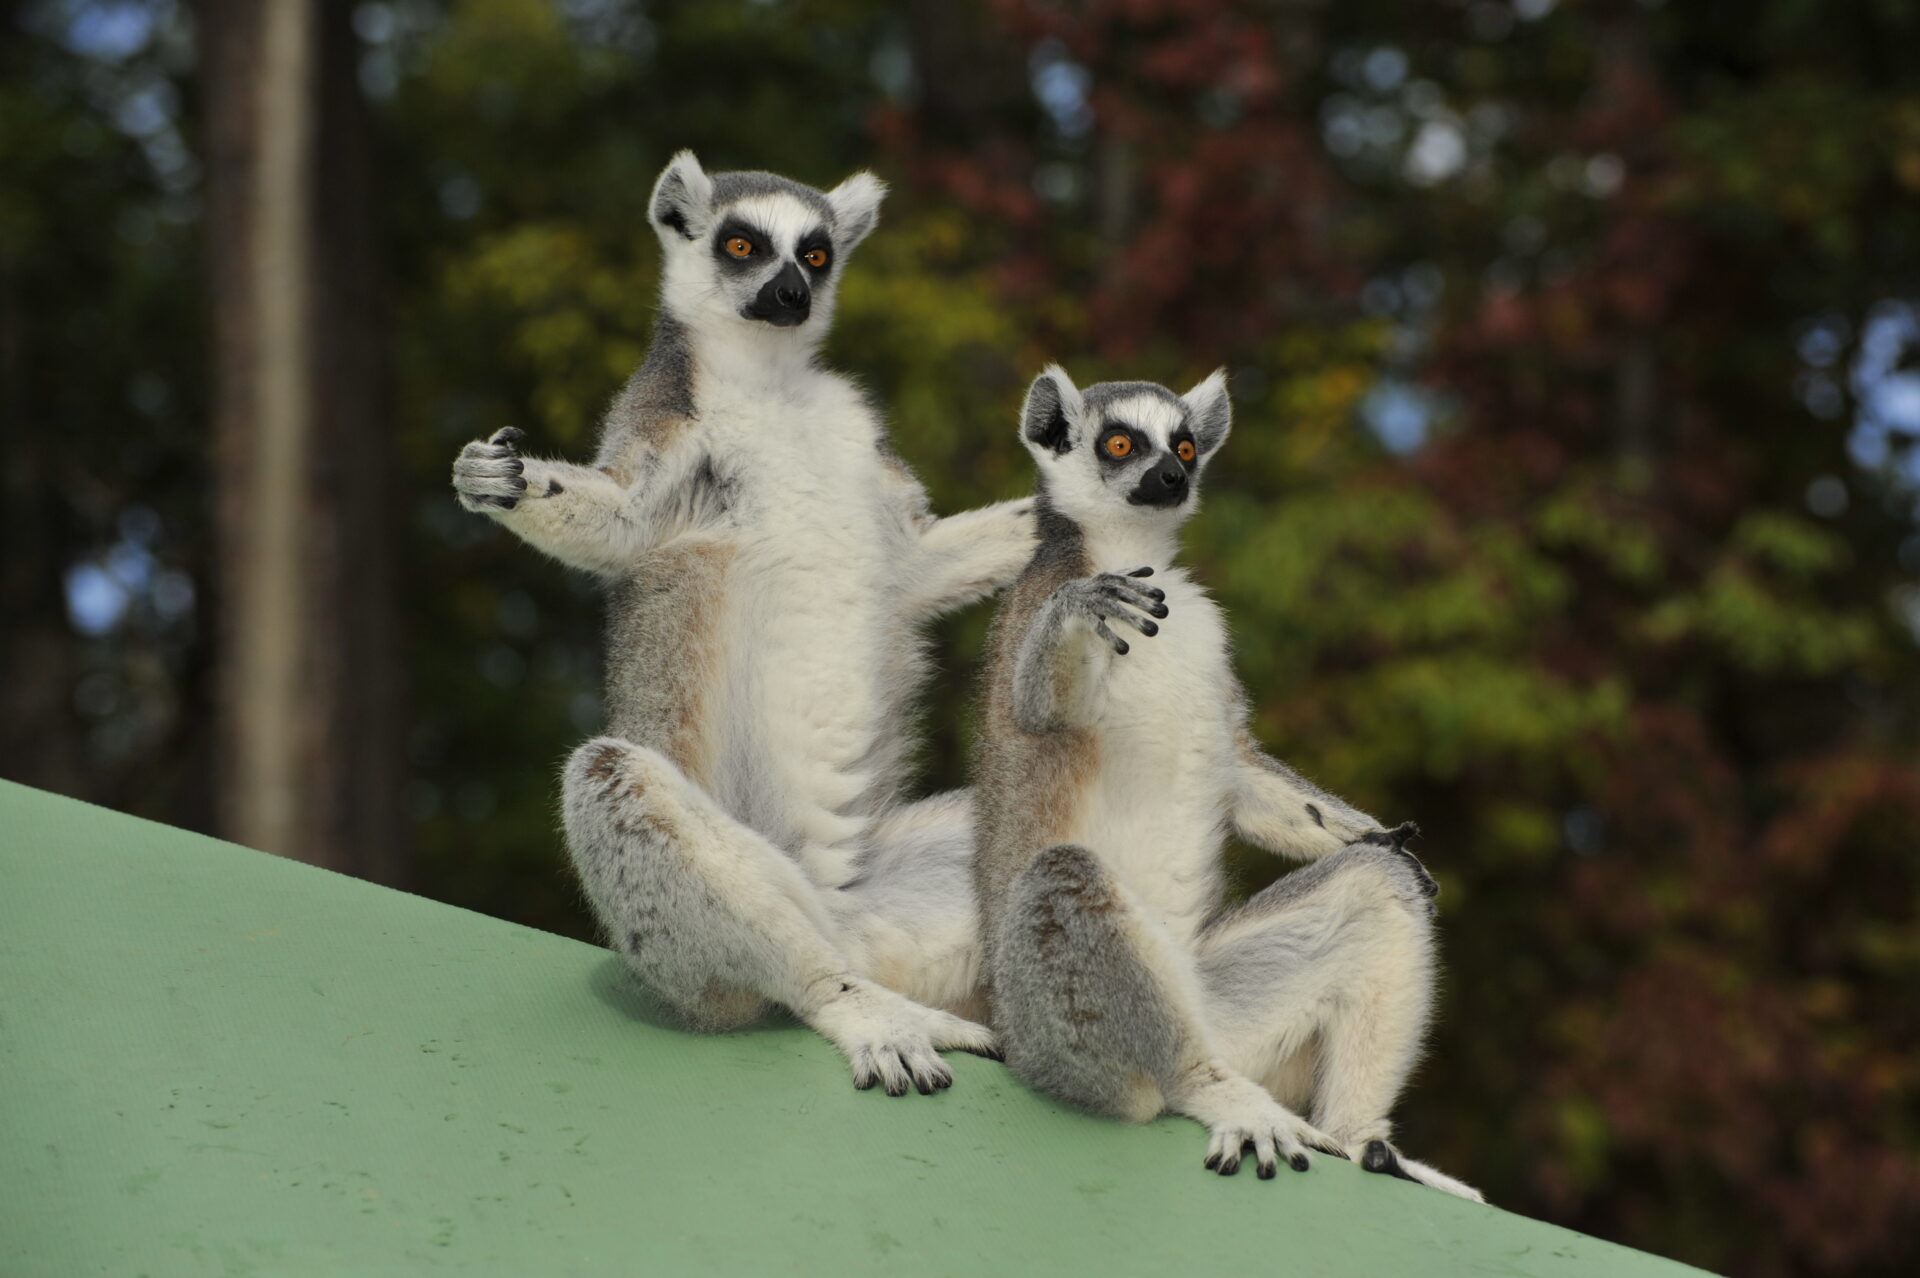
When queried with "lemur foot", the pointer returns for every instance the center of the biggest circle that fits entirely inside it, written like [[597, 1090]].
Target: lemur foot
[[1110, 596], [1397, 839], [1380, 1157], [1240, 1113], [490, 474], [891, 1040]]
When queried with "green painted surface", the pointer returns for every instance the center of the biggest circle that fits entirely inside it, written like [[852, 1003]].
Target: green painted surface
[[216, 1062]]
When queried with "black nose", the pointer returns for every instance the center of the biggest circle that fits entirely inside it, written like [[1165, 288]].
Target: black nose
[[1172, 476], [784, 300]]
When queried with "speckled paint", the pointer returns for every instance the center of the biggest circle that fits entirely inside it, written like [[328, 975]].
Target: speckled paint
[[213, 1061]]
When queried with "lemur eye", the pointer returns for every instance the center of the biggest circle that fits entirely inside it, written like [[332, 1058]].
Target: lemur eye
[[1119, 445], [816, 258], [1184, 450], [740, 246]]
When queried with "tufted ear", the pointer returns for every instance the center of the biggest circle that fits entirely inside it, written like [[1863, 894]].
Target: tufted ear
[[682, 198], [1209, 412], [1053, 402], [856, 208]]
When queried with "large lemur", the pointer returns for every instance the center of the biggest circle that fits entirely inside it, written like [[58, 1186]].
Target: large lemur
[[1108, 774], [741, 832]]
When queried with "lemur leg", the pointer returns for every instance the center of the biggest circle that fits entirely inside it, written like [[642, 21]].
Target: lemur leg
[[1098, 1005], [909, 918], [719, 921], [1331, 970]]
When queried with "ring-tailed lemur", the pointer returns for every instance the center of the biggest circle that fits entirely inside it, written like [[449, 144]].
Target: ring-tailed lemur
[[1107, 776], [741, 832]]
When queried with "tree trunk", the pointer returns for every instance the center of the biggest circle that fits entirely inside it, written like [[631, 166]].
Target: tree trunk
[[309, 762]]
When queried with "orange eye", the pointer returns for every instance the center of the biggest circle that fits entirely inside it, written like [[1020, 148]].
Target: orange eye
[[816, 258], [740, 246], [1184, 450], [1118, 445]]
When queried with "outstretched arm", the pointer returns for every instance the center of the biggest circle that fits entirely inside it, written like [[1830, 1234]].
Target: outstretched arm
[[1067, 649], [579, 515], [1278, 809], [967, 556]]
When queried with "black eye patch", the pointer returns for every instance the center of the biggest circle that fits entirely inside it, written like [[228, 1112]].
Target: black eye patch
[[815, 241], [1135, 446], [735, 228]]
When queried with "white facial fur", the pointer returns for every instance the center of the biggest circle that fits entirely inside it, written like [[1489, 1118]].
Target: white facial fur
[[1066, 430], [710, 291]]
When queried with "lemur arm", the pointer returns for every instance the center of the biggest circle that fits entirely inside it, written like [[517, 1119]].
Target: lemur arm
[[1063, 658], [1276, 808], [967, 556], [579, 515]]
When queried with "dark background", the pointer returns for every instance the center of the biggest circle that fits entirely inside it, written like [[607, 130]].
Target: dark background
[[1571, 507]]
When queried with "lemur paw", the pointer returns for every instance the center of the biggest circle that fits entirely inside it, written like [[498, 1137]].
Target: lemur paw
[[1398, 838], [891, 1040], [1239, 1113], [1111, 596], [1382, 1158], [490, 474]]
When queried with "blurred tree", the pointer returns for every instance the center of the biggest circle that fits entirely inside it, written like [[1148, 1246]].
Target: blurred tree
[[104, 525], [308, 753]]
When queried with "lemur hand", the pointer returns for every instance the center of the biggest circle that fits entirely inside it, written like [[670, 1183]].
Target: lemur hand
[[1397, 839], [1110, 596], [490, 474]]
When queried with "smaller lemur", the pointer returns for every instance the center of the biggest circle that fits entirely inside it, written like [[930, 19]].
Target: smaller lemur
[[1107, 776]]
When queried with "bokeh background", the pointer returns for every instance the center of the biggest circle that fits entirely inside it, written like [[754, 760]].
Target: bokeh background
[[1571, 506]]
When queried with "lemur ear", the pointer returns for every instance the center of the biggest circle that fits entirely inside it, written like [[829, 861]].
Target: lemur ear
[[1209, 412], [856, 208], [682, 198], [1053, 402]]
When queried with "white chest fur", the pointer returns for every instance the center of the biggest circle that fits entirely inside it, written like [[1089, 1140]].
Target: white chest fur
[[1165, 735], [807, 659]]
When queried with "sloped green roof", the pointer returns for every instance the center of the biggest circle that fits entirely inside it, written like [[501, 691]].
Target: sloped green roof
[[213, 1061]]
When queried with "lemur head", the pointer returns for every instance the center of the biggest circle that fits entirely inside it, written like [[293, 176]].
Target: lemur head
[[754, 250], [1123, 450]]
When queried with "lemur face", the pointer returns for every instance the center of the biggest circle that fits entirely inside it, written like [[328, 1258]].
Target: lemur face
[[755, 248], [1123, 446]]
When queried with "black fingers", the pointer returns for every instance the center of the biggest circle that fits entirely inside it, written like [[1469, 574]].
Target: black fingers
[[1141, 572], [1213, 1162], [1114, 641], [508, 437], [1267, 1171], [1298, 1162], [1148, 600], [1329, 1150]]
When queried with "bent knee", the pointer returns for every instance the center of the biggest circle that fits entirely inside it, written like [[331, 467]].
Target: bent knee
[[1385, 875], [1068, 872], [607, 764]]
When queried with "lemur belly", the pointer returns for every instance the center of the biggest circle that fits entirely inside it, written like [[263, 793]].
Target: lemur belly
[[1157, 814], [806, 612]]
